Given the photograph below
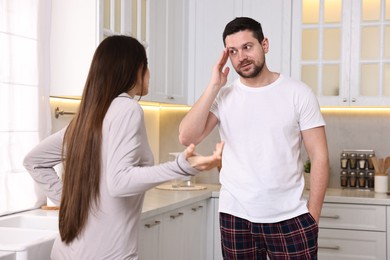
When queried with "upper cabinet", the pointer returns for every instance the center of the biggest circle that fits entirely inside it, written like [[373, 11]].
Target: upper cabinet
[[167, 29], [77, 28], [183, 40], [186, 41], [342, 50], [75, 33]]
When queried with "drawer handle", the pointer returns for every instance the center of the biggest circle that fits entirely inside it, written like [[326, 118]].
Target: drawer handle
[[329, 247], [177, 215], [330, 216], [155, 223], [195, 209]]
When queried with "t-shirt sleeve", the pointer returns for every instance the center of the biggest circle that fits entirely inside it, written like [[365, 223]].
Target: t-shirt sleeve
[[310, 112]]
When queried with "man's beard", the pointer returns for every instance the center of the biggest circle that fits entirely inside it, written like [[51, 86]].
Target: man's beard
[[256, 71]]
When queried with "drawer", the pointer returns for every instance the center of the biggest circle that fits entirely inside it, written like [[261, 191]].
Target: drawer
[[353, 217], [351, 245]]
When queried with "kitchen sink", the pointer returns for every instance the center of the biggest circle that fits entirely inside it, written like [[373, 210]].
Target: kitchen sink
[[27, 243], [28, 235], [30, 222]]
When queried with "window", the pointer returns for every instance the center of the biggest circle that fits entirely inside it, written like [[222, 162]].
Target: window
[[24, 103]]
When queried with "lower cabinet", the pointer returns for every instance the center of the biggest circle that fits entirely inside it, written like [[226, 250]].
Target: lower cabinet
[[352, 231], [179, 234], [351, 245]]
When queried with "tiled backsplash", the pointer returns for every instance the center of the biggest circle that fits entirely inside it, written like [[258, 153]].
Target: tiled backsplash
[[355, 129]]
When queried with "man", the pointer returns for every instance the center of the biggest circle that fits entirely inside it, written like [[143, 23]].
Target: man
[[263, 118]]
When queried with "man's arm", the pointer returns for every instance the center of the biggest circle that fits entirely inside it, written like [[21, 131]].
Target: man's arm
[[199, 121], [316, 146]]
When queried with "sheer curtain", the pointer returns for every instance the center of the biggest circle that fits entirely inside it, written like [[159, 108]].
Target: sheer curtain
[[24, 97]]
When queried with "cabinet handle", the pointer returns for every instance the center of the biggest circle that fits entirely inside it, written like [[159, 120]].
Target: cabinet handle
[[345, 100], [195, 209], [170, 97], [330, 216], [329, 247], [155, 223], [353, 100], [177, 215]]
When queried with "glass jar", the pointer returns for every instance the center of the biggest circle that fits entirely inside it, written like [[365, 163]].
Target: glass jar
[[370, 180], [344, 160], [352, 179], [362, 161], [362, 179], [370, 165], [353, 161], [344, 179]]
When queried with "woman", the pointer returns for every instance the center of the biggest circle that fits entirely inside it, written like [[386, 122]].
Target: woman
[[107, 159]]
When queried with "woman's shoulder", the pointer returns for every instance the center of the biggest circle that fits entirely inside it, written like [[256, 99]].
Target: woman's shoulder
[[123, 105]]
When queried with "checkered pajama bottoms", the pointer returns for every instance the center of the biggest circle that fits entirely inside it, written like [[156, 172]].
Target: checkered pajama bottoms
[[295, 238]]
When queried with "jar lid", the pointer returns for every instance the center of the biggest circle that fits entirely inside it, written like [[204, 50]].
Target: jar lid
[[362, 156], [343, 173]]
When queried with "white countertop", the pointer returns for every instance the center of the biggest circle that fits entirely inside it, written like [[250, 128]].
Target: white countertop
[[161, 201], [356, 196]]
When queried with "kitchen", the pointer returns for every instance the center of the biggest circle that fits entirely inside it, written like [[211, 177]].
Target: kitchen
[[348, 127]]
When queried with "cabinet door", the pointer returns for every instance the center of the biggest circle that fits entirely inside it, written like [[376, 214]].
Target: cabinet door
[[149, 238], [388, 232], [194, 227], [340, 49], [75, 34], [370, 52], [168, 51], [276, 25], [320, 48], [353, 216], [207, 22], [351, 245], [217, 233], [172, 236]]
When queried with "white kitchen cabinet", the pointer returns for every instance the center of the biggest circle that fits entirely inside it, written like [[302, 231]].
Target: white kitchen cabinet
[[388, 232], [78, 27], [75, 34], [168, 32], [173, 235], [215, 238], [178, 234], [186, 41], [351, 244], [207, 20], [352, 231], [341, 50], [195, 231], [150, 237]]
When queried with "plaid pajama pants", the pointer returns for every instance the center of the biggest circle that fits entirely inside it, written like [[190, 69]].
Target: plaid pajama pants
[[294, 238]]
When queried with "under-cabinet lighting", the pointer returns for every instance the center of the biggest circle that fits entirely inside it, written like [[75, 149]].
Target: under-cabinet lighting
[[355, 110]]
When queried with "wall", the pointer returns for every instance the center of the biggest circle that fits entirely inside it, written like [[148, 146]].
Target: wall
[[351, 129], [346, 129]]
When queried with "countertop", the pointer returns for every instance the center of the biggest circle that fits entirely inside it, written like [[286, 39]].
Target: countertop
[[160, 201]]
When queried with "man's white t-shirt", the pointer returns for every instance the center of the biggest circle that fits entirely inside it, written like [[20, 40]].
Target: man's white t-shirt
[[262, 174]]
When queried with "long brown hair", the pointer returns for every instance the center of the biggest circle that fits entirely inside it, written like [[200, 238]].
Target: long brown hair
[[113, 70]]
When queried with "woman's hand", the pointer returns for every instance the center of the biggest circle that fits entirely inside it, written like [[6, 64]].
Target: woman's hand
[[201, 162]]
